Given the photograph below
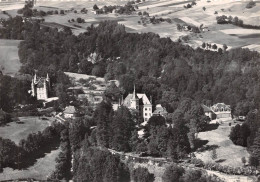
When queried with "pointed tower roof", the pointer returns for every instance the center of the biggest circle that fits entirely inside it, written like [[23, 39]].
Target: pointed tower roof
[[134, 94], [47, 77], [35, 78]]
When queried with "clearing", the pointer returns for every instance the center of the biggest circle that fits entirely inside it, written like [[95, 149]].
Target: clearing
[[17, 131], [9, 59], [40, 170], [217, 138]]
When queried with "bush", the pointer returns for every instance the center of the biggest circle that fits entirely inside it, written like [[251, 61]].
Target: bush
[[142, 175], [251, 4], [172, 173], [197, 162]]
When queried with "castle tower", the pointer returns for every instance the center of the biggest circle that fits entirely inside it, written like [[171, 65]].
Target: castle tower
[[33, 88], [134, 102], [35, 79]]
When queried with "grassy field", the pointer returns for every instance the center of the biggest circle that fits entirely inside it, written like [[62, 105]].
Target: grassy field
[[9, 60], [40, 170], [227, 152], [17, 131]]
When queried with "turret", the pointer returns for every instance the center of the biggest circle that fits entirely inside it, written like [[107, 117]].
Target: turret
[[134, 101], [33, 88], [35, 79], [47, 78]]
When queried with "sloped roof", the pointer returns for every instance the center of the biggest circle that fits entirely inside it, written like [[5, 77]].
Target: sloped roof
[[70, 110], [127, 102], [220, 105], [206, 109], [160, 110], [142, 97]]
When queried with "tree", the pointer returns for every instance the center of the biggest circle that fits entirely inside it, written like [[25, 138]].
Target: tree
[[203, 45], [179, 27], [243, 159], [100, 165], [214, 46], [204, 9], [95, 7], [139, 13], [225, 47], [122, 127], [253, 161], [255, 148], [141, 174], [172, 173], [220, 51], [214, 155]]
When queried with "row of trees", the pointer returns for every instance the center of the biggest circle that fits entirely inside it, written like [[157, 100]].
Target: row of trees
[[239, 134], [30, 149], [235, 21]]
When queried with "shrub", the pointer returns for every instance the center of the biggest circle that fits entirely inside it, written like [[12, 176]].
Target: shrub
[[197, 162], [251, 4], [142, 175]]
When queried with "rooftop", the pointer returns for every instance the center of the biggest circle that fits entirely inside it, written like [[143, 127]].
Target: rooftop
[[70, 110]]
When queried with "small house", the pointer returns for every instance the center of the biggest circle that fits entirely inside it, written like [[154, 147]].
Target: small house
[[69, 112], [160, 111]]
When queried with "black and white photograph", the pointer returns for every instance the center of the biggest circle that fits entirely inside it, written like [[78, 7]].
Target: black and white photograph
[[130, 90]]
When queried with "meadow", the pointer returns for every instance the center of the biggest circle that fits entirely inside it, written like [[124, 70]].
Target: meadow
[[9, 60], [16, 131], [41, 170], [218, 138]]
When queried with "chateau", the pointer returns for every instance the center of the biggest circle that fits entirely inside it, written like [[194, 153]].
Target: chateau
[[139, 102], [40, 87]]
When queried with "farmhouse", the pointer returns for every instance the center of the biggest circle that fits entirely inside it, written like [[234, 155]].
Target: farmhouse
[[69, 112], [139, 102], [221, 110]]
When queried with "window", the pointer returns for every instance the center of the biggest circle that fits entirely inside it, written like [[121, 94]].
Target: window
[[149, 109], [145, 119], [145, 109], [96, 99], [145, 114]]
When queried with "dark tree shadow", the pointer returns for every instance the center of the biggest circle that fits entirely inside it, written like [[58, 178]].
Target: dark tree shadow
[[207, 148], [200, 143], [211, 127], [220, 160], [19, 122], [30, 159]]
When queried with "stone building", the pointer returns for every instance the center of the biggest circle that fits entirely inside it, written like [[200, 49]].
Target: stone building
[[40, 87]]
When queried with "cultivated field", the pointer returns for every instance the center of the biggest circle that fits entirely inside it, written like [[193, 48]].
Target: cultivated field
[[9, 60], [40, 170], [227, 152], [17, 131], [230, 35]]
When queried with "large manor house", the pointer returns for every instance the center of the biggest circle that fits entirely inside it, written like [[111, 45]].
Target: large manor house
[[139, 102]]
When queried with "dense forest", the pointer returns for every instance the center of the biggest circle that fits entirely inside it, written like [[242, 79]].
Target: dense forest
[[175, 75]]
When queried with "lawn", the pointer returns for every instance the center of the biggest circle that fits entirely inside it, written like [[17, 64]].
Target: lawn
[[227, 152], [40, 170], [17, 131], [9, 60]]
